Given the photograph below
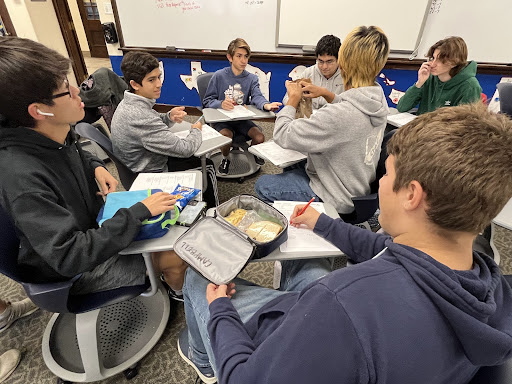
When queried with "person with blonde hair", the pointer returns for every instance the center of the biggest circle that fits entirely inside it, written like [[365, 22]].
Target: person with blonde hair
[[342, 140], [421, 307], [445, 79]]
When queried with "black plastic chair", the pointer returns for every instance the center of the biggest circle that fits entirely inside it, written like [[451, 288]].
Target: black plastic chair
[[243, 163], [505, 92], [365, 206], [76, 346], [90, 132]]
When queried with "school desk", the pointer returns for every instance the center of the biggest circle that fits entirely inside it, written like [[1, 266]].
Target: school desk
[[206, 147]]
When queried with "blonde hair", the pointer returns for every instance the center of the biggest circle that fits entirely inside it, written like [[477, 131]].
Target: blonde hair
[[461, 157], [452, 50], [238, 43], [362, 56]]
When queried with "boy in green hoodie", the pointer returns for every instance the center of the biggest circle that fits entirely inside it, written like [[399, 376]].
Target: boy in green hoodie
[[446, 79]]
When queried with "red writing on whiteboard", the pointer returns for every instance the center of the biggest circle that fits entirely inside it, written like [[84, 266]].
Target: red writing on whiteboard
[[183, 5]]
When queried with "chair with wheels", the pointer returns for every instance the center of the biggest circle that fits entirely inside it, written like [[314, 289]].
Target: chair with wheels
[[91, 336], [90, 132], [366, 206], [243, 162]]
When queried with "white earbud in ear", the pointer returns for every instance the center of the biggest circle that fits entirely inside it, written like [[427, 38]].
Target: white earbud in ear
[[44, 113]]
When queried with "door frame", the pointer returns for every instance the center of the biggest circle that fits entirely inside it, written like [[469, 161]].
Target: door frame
[[83, 16], [4, 14], [70, 39]]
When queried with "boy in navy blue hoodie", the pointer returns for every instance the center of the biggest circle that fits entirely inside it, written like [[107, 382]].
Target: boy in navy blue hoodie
[[420, 307], [233, 86]]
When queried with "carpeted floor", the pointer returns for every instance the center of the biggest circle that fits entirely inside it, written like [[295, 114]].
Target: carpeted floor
[[162, 364]]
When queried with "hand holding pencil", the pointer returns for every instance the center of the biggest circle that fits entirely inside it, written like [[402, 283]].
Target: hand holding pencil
[[304, 214]]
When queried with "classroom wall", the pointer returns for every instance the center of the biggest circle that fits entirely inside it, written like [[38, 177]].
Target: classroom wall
[[21, 19], [178, 73], [38, 21], [43, 17]]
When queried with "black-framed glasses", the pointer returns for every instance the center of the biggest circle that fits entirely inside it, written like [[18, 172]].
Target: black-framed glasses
[[66, 82], [327, 62]]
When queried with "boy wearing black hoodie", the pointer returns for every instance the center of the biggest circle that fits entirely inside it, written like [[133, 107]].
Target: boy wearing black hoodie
[[48, 183]]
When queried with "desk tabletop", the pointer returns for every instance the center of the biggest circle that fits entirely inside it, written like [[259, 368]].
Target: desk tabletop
[[207, 146], [166, 243], [278, 255], [504, 218], [212, 115]]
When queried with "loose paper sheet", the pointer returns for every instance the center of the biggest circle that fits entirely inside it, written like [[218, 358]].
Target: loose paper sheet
[[278, 155], [400, 119], [207, 133], [237, 112], [302, 240]]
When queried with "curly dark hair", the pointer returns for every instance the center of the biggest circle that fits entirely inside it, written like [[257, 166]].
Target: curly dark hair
[[328, 45]]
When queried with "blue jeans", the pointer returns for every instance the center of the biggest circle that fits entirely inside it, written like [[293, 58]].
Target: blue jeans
[[291, 185], [248, 299]]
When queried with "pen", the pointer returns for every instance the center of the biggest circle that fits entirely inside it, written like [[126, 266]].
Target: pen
[[305, 207], [198, 120]]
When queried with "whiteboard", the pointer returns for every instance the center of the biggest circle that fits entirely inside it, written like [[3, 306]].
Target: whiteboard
[[485, 26], [200, 24], [302, 22]]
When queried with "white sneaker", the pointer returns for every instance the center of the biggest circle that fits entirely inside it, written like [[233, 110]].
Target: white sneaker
[[16, 311], [8, 363]]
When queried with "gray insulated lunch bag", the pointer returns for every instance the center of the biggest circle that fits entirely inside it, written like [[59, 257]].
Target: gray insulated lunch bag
[[218, 250]]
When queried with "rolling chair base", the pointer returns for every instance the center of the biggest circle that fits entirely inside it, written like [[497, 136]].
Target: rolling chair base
[[242, 164], [125, 332]]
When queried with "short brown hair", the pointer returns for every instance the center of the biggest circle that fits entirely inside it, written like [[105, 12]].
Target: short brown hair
[[238, 43], [29, 73], [461, 157], [136, 65], [452, 50], [362, 56]]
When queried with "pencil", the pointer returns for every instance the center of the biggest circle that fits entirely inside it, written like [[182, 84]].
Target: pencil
[[305, 207]]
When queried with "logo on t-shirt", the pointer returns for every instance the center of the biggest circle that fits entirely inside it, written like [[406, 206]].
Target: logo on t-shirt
[[235, 93], [447, 103]]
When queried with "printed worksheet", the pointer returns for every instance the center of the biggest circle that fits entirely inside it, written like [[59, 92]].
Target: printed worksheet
[[207, 133], [166, 181], [237, 112], [278, 155], [301, 240]]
